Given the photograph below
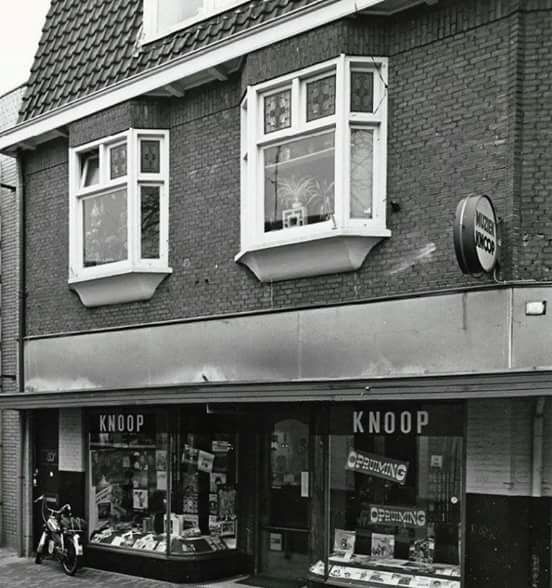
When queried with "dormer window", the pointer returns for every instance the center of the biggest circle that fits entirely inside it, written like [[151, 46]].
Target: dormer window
[[162, 17]]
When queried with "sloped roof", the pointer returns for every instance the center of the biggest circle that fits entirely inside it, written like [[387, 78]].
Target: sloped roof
[[88, 45]]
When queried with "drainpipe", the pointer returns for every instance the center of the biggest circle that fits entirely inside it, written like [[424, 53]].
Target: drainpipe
[[22, 508], [538, 446]]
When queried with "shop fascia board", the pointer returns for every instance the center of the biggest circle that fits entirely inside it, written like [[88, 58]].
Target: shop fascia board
[[455, 387], [296, 22]]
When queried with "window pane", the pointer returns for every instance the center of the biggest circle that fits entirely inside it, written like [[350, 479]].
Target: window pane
[[149, 207], [90, 166], [128, 473], [277, 111], [299, 182], [174, 11], [362, 91], [149, 157], [396, 491], [362, 163], [321, 98], [204, 490], [105, 228], [118, 161]]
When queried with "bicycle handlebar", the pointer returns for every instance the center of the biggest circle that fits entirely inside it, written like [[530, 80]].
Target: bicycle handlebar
[[65, 507]]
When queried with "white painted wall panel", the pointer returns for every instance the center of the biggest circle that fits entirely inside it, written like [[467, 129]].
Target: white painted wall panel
[[498, 446], [71, 440]]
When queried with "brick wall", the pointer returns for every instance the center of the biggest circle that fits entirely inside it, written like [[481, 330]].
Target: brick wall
[[498, 447], [535, 208], [452, 125], [9, 420]]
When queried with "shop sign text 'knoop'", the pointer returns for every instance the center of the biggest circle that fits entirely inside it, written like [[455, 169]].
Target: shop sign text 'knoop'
[[475, 235]]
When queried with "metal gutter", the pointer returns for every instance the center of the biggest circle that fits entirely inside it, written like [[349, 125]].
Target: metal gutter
[[20, 457], [499, 385]]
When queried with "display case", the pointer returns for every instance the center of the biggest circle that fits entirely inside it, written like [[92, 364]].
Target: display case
[[158, 488], [396, 489]]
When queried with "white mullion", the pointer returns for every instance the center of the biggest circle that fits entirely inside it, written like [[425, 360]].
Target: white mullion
[[379, 190], [133, 195], [253, 197], [164, 201], [297, 115], [342, 141], [75, 227]]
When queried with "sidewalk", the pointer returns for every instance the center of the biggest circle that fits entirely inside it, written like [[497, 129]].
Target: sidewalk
[[17, 572]]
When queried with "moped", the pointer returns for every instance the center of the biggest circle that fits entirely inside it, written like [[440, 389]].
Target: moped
[[61, 537]]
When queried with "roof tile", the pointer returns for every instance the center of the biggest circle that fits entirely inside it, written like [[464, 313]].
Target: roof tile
[[91, 44]]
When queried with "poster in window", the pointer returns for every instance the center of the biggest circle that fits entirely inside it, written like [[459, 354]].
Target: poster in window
[[383, 545], [189, 483], [276, 542], [189, 455], [213, 504], [161, 480], [344, 543], [227, 528], [189, 504], [192, 521], [139, 499], [160, 459], [216, 480], [104, 510], [205, 461], [226, 503]]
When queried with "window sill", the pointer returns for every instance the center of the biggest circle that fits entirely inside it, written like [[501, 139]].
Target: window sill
[[326, 253], [120, 287]]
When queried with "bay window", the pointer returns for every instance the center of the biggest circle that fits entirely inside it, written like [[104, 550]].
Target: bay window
[[118, 217], [314, 169]]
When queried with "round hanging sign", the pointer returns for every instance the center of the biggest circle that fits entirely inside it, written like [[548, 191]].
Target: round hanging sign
[[475, 235]]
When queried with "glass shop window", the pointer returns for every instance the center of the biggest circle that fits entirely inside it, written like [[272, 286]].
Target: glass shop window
[[396, 491], [203, 516], [128, 480]]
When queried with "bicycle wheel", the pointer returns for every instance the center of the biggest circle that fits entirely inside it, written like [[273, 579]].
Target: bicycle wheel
[[70, 561]]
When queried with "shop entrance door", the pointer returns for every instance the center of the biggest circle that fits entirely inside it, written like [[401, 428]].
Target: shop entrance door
[[285, 502], [45, 464]]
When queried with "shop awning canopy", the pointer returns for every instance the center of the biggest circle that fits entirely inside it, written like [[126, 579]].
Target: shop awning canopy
[[498, 385]]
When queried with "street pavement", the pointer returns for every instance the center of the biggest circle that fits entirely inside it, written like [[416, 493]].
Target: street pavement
[[20, 572]]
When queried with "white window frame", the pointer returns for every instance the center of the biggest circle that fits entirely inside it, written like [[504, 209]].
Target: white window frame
[[254, 139], [131, 182], [152, 8]]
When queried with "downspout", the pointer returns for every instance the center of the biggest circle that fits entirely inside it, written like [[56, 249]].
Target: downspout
[[537, 465], [20, 367], [2, 509]]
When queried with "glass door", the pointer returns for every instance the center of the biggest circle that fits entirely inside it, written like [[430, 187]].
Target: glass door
[[285, 499]]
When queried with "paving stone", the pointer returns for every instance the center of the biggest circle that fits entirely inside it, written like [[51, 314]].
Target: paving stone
[[18, 572]]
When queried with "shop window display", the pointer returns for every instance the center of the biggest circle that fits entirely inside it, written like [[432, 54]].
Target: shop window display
[[128, 481], [396, 489], [203, 500]]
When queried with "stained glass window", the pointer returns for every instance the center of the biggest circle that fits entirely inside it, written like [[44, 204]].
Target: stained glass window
[[277, 111], [362, 91], [321, 98], [118, 166], [149, 157], [149, 208]]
